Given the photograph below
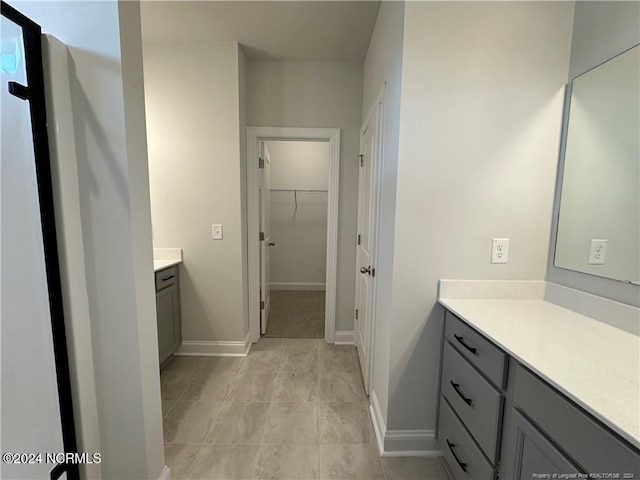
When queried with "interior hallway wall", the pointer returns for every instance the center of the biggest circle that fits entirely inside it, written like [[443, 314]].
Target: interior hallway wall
[[299, 256], [318, 94], [194, 94], [479, 136]]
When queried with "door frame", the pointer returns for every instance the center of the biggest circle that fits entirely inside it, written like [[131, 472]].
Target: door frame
[[255, 135]]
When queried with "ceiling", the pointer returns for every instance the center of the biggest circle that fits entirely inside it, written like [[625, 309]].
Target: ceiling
[[282, 30]]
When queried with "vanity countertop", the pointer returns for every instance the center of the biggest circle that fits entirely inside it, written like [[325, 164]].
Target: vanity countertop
[[594, 364], [162, 264], [166, 257]]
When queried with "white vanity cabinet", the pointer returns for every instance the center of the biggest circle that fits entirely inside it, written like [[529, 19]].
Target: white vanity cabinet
[[168, 311], [497, 419]]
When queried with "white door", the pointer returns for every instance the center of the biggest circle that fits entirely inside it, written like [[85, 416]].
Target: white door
[[365, 271], [265, 237]]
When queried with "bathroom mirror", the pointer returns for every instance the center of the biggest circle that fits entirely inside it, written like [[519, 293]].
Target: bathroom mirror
[[599, 215]]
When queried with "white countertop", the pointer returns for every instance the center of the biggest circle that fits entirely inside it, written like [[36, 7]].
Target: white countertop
[[166, 257], [594, 364], [162, 264]]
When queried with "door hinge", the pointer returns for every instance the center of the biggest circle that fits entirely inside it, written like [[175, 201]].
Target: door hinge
[[260, 162], [356, 314], [361, 160], [261, 236], [261, 304], [359, 239]]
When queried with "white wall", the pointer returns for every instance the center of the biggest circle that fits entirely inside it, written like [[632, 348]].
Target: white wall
[[116, 235], [383, 63], [318, 94], [601, 178], [196, 172], [479, 135], [300, 234]]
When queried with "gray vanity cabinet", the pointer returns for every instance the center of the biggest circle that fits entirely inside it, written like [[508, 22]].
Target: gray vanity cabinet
[[498, 419], [534, 454], [471, 401], [168, 312]]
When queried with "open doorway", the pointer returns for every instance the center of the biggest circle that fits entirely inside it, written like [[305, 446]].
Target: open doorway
[[297, 174], [292, 192]]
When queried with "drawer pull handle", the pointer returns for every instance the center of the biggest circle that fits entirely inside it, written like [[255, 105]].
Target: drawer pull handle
[[461, 342], [451, 446], [164, 279], [456, 387]]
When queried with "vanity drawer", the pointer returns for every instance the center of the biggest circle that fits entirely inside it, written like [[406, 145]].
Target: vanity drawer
[[474, 399], [463, 456], [477, 349], [166, 277], [584, 439]]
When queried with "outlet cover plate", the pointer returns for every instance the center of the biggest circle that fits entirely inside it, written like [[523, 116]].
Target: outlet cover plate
[[216, 232], [598, 251], [500, 250]]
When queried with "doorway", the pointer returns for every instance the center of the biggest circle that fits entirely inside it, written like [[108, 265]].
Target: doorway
[[292, 195], [295, 207]]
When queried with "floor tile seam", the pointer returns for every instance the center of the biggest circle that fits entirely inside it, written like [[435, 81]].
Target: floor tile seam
[[186, 387], [193, 463], [173, 404], [216, 444]]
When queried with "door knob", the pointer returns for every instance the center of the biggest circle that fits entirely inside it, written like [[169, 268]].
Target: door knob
[[364, 270], [272, 244]]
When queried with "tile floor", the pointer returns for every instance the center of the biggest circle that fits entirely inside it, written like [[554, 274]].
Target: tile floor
[[291, 409]]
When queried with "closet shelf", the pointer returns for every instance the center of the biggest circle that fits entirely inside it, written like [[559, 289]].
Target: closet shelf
[[295, 192]]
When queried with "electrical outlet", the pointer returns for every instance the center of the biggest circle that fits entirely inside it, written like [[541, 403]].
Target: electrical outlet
[[216, 232], [500, 250], [598, 251]]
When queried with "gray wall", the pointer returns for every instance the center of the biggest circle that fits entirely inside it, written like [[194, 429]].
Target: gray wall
[[197, 177], [318, 94], [299, 233], [601, 30], [479, 136]]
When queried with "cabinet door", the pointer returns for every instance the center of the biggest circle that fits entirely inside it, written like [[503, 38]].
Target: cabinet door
[[535, 454], [165, 306]]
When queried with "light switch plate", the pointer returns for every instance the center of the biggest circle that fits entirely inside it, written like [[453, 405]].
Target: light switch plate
[[598, 251], [500, 250], [216, 232]]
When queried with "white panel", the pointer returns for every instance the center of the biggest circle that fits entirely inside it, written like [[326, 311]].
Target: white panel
[[30, 415]]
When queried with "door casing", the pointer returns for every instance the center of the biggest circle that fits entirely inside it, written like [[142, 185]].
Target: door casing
[[255, 135]]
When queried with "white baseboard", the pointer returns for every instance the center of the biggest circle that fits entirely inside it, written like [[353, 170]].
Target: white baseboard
[[165, 474], [401, 443], [297, 286], [379, 427], [215, 348], [411, 443], [344, 337]]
